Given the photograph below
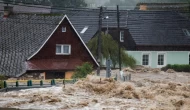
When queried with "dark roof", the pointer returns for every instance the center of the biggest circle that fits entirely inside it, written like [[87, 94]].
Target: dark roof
[[158, 28], [152, 27], [82, 18], [29, 8], [22, 34]]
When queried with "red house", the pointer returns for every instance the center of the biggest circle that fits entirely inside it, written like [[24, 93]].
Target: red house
[[59, 55], [47, 48]]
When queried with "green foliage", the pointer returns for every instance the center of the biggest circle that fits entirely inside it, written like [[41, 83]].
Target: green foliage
[[68, 3], [2, 77], [55, 3], [178, 68], [83, 71], [109, 48], [1, 84]]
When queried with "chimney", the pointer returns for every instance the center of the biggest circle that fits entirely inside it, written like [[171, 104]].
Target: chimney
[[143, 7], [7, 11]]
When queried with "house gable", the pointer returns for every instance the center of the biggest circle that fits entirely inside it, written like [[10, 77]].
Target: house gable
[[45, 57]]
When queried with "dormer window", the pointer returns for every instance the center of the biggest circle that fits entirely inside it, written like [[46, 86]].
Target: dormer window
[[63, 29], [84, 30], [121, 36], [186, 32]]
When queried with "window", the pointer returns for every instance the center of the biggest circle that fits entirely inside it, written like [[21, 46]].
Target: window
[[66, 49], [186, 32], [58, 49], [63, 49], [84, 30], [160, 59], [145, 59], [121, 36], [63, 29]]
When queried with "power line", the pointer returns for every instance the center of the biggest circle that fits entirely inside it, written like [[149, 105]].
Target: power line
[[42, 6], [86, 8]]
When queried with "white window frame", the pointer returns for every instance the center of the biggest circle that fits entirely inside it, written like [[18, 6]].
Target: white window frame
[[84, 30], [186, 32], [63, 29], [161, 53], [149, 59], [62, 53], [122, 40]]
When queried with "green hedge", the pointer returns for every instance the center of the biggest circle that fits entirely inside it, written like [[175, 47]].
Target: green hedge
[[178, 68], [2, 78]]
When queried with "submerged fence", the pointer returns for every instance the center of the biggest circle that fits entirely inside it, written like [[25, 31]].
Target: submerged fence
[[9, 85]]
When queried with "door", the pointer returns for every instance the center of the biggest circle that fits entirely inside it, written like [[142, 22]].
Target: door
[[55, 75]]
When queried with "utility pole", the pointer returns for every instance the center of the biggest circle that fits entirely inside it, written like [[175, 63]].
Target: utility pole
[[118, 29], [189, 9], [99, 41]]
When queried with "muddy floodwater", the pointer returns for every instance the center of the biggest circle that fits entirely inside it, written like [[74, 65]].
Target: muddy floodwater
[[146, 91]]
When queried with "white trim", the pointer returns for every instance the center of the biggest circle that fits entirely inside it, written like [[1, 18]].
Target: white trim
[[150, 57], [75, 32], [120, 36], [64, 30], [62, 53], [165, 59]]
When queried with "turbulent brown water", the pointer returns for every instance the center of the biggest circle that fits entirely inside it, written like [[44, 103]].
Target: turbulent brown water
[[146, 91]]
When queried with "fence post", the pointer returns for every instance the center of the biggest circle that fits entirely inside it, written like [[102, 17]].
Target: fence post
[[52, 82], [28, 83], [5, 84], [64, 82], [129, 77], [41, 83], [17, 84], [115, 78], [74, 80]]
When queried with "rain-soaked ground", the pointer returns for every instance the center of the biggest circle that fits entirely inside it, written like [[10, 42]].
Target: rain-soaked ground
[[146, 91]]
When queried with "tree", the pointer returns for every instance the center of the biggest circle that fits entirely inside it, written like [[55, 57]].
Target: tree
[[2, 77], [83, 71], [109, 49], [55, 3], [68, 3], [7, 1]]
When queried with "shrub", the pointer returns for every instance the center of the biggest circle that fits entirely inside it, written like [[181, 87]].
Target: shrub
[[1, 84], [2, 77], [178, 68], [83, 71]]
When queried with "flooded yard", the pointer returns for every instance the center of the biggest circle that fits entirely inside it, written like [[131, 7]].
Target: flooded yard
[[146, 91]]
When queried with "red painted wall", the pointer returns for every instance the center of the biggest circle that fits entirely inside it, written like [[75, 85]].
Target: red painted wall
[[78, 50]]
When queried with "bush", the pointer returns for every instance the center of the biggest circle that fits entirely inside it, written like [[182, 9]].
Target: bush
[[83, 71], [178, 68], [1, 84], [2, 77], [1, 81]]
